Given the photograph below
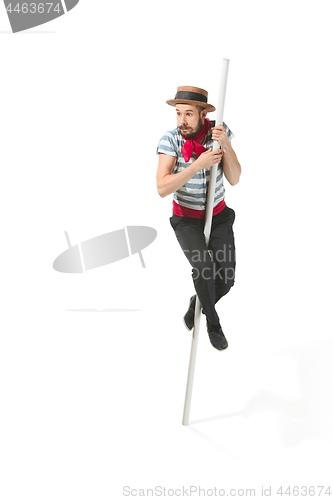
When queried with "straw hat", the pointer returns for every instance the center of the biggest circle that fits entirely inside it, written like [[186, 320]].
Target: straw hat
[[191, 95]]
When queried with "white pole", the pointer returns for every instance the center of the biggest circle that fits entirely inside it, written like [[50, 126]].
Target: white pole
[[207, 229]]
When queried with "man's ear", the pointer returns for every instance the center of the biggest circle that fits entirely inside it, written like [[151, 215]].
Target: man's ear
[[204, 114]]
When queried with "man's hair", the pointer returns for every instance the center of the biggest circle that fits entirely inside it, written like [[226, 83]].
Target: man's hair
[[199, 108]]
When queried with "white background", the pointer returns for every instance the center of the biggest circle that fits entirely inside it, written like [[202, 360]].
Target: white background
[[93, 402]]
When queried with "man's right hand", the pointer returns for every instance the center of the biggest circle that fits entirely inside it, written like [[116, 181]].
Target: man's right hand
[[208, 159], [168, 183]]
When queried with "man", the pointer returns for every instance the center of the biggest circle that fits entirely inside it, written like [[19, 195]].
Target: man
[[185, 157]]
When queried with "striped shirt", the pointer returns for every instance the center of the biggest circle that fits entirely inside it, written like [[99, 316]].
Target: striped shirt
[[193, 194]]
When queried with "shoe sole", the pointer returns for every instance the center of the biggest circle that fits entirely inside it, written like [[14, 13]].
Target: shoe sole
[[220, 350], [187, 328]]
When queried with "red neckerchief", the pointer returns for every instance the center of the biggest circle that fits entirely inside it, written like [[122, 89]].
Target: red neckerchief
[[193, 144]]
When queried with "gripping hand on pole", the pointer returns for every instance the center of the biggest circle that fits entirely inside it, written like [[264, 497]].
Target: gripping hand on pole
[[219, 134], [209, 158]]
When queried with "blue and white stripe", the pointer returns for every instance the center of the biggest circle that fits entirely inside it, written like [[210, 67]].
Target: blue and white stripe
[[194, 193]]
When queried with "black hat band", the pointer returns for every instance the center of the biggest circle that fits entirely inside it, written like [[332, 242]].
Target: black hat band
[[190, 96]]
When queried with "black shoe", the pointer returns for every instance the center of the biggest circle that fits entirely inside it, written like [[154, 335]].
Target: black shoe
[[189, 316], [216, 336]]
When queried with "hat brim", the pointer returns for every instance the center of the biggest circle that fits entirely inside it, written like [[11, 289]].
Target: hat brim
[[173, 102]]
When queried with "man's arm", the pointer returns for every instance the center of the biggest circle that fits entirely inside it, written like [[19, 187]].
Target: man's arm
[[168, 183], [231, 167], [230, 164]]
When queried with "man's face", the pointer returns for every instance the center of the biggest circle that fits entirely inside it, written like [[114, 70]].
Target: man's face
[[189, 121]]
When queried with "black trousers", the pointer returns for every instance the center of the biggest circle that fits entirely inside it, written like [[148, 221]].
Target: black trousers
[[213, 267]]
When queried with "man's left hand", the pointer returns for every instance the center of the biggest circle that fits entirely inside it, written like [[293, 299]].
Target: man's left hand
[[219, 134]]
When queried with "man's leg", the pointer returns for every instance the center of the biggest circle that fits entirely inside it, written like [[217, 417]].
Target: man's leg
[[222, 244], [189, 233]]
